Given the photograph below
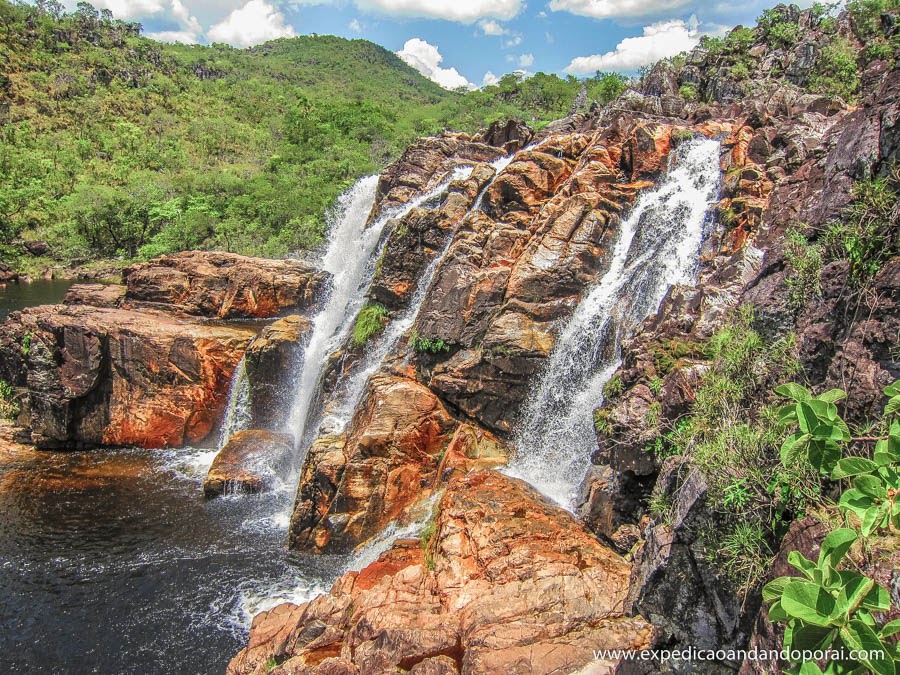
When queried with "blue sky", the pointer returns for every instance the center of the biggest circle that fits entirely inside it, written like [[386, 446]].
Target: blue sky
[[461, 42]]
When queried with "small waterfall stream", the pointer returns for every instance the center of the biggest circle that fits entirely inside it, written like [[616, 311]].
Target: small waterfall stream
[[386, 345], [352, 255], [658, 246], [237, 413]]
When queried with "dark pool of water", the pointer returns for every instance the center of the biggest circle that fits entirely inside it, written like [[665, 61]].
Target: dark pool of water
[[113, 562], [14, 297]]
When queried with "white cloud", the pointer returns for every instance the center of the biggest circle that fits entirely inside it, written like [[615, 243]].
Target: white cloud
[[526, 60], [184, 36], [605, 9], [426, 59], [489, 79], [129, 9], [255, 22], [491, 27], [463, 11], [659, 41], [548, 36], [355, 26], [512, 42]]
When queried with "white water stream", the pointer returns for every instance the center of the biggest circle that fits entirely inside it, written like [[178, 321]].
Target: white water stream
[[658, 246]]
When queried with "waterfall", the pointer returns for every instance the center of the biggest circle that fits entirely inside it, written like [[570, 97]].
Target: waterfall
[[658, 246], [375, 356], [237, 413], [353, 251]]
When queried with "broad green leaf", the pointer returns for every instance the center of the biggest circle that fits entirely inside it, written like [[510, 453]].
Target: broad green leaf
[[773, 590], [808, 602], [853, 466], [836, 544], [810, 668], [870, 485], [799, 561], [807, 418], [874, 518], [794, 391], [857, 635], [891, 390], [823, 455], [893, 406], [856, 588], [787, 414], [793, 448], [878, 599], [890, 629], [832, 396], [804, 637], [776, 613], [856, 502]]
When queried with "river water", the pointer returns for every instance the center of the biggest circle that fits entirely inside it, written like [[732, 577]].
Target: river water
[[41, 292], [113, 562]]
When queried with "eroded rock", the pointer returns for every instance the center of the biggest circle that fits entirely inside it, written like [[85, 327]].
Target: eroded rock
[[249, 462]]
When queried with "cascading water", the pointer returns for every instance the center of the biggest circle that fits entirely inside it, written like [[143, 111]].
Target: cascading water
[[375, 357], [658, 246], [237, 413], [353, 251]]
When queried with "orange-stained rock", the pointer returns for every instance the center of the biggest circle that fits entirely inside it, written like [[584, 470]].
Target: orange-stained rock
[[351, 489], [222, 285], [93, 375], [96, 295], [508, 583], [249, 462]]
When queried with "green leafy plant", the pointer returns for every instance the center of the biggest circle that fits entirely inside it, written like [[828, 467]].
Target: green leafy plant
[[601, 420], [830, 609], [372, 318], [875, 495], [425, 345], [615, 387], [689, 92], [9, 407], [820, 427], [26, 343], [655, 385]]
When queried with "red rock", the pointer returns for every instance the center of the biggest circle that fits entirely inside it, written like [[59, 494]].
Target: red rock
[[508, 583], [222, 285], [248, 462], [101, 376]]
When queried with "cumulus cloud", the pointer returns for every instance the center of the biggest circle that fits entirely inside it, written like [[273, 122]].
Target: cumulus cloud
[[255, 22], [355, 26], [129, 9], [491, 27], [526, 60], [659, 41], [463, 11], [184, 36], [426, 59], [512, 42], [606, 9], [489, 79]]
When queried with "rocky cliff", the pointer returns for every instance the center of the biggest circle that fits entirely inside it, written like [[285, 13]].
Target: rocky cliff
[[793, 159]]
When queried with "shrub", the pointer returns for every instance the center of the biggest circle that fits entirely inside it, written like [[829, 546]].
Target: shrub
[[426, 345], [9, 406], [614, 387], [804, 263], [688, 91], [836, 72], [372, 318]]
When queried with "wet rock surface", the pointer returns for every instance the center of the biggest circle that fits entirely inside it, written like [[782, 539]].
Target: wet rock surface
[[249, 462], [507, 583]]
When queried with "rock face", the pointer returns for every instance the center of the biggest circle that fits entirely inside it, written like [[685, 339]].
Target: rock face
[[428, 161], [519, 266], [507, 583], [352, 487], [222, 285], [271, 360], [248, 463], [100, 376]]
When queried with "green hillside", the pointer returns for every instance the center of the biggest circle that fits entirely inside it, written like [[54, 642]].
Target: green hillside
[[112, 144]]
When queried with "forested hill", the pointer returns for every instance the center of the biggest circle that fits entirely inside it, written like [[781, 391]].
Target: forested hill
[[112, 144]]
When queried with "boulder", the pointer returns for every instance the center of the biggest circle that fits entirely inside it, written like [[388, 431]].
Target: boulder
[[249, 462], [222, 285], [272, 360], [102, 376], [507, 582], [352, 488], [7, 274], [95, 295]]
